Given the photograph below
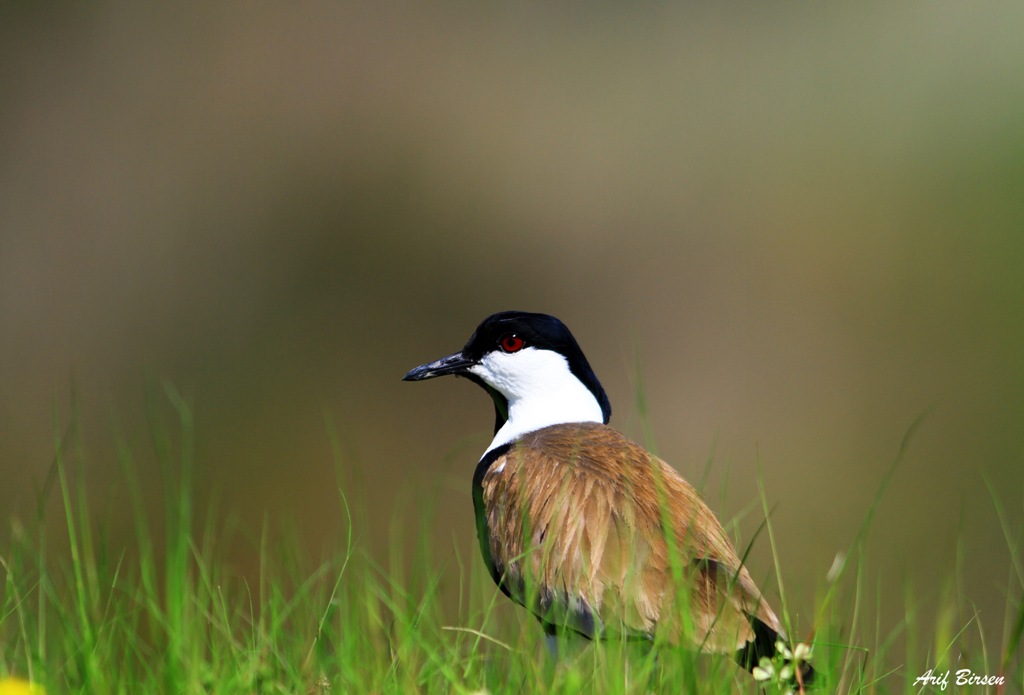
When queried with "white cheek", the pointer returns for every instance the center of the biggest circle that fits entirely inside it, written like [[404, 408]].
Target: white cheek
[[524, 373], [541, 391], [493, 371]]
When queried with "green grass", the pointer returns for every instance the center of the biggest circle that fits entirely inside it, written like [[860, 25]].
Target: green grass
[[166, 613]]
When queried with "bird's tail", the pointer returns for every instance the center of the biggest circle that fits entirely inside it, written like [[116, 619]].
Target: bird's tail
[[763, 645]]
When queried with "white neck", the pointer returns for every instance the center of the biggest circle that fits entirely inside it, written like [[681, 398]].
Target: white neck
[[541, 391]]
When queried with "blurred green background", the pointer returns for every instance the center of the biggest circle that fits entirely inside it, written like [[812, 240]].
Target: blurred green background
[[806, 220]]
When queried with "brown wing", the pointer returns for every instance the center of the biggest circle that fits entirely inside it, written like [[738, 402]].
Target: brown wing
[[589, 530]]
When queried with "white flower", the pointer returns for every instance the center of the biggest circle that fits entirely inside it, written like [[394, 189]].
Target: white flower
[[802, 652]]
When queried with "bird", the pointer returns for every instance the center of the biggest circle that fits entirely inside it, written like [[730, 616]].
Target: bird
[[587, 529]]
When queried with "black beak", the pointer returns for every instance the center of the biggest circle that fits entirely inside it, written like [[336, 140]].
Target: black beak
[[452, 364]]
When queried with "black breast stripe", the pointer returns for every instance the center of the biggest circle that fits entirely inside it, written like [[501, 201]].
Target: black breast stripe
[[482, 532]]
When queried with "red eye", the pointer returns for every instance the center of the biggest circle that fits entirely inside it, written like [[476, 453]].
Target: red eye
[[511, 343]]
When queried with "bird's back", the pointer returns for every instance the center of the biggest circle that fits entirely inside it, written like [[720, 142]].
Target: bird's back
[[592, 532]]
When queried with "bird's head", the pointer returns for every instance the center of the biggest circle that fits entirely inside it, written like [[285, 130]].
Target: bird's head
[[533, 369]]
